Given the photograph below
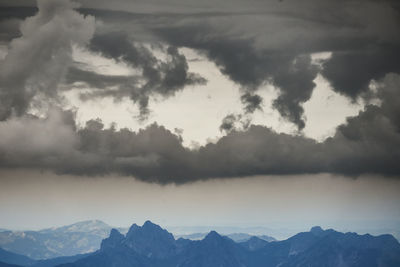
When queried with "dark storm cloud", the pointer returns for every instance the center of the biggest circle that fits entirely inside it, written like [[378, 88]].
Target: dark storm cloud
[[162, 78], [241, 61], [274, 47], [350, 72], [300, 76], [364, 144], [9, 29], [254, 43]]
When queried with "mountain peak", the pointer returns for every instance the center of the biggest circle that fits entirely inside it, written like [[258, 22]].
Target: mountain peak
[[113, 240], [115, 233], [213, 236], [151, 240], [316, 230], [148, 224], [134, 227]]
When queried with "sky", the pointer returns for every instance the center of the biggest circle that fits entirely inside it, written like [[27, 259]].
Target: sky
[[257, 113]]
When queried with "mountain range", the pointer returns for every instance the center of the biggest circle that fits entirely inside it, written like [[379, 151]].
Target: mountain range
[[150, 245], [78, 238]]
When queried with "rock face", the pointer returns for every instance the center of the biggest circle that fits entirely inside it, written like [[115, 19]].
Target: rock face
[[151, 240], [254, 243], [151, 246]]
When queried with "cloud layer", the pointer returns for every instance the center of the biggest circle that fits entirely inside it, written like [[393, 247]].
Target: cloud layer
[[271, 42], [365, 144], [278, 53]]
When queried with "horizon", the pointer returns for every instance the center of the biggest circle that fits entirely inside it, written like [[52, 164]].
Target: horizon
[[101, 196]]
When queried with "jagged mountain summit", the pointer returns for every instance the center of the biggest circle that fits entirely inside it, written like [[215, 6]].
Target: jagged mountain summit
[[151, 246], [237, 237]]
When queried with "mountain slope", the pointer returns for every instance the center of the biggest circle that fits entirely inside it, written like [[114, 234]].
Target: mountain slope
[[59, 260], [3, 264], [338, 249], [13, 258]]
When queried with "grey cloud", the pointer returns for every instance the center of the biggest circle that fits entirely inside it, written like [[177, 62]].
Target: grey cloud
[[164, 78], [252, 102], [364, 144], [37, 61], [234, 122], [363, 40], [256, 43], [241, 61], [9, 29], [237, 55], [228, 123], [100, 84], [300, 75], [350, 72]]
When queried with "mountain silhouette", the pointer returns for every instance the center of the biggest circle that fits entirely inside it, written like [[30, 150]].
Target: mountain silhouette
[[151, 246]]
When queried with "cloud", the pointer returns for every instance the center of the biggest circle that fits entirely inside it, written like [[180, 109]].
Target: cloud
[[350, 72], [163, 78], [253, 44], [234, 122], [363, 145], [252, 102], [37, 61], [298, 86], [279, 52], [102, 85]]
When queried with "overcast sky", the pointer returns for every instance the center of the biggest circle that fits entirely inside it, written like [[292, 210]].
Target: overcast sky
[[186, 111]]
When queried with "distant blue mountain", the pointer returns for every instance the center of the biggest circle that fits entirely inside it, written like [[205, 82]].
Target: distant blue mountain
[[12, 259], [151, 246], [8, 258], [79, 238]]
